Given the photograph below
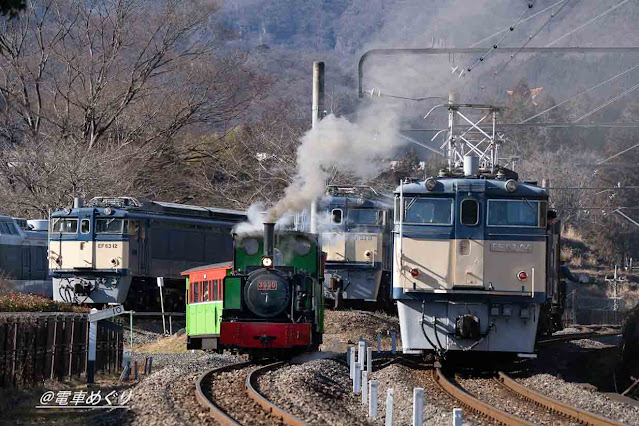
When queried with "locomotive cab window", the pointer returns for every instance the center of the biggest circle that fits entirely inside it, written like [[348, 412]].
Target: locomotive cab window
[[85, 226], [363, 217], [428, 211], [517, 213], [110, 226], [470, 212], [64, 225], [336, 215]]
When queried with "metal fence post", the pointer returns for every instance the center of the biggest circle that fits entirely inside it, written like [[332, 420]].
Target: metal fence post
[[357, 379], [379, 342], [457, 417], [373, 387], [393, 342], [418, 406], [390, 394], [364, 387], [369, 360]]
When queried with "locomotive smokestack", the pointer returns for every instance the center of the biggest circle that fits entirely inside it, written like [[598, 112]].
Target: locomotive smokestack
[[269, 239]]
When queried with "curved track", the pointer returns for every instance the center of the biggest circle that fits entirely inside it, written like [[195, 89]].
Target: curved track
[[567, 413], [244, 404]]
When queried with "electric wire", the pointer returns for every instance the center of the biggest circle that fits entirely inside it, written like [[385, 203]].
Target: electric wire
[[574, 30], [600, 107], [524, 20], [496, 45], [618, 154], [581, 93], [531, 37]]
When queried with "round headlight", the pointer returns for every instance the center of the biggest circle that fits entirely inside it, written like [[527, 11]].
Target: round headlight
[[431, 184], [267, 262], [108, 211], [511, 185]]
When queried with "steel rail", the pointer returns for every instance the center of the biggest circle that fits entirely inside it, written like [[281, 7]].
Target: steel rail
[[251, 387], [575, 336], [215, 411], [475, 404], [552, 404]]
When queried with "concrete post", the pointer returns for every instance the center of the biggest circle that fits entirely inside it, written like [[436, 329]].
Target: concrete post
[[393, 342], [418, 407], [351, 361], [390, 394], [369, 360], [364, 387], [373, 388], [358, 378], [379, 342], [457, 417], [361, 353], [93, 337]]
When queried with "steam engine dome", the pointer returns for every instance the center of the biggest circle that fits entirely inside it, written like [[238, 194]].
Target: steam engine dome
[[267, 293]]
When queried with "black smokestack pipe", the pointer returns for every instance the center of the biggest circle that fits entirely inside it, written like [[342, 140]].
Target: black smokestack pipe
[[269, 239]]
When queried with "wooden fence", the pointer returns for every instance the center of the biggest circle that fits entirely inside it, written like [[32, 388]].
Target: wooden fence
[[35, 347]]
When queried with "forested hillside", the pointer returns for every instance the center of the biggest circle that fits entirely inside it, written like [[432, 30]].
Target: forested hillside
[[200, 102]]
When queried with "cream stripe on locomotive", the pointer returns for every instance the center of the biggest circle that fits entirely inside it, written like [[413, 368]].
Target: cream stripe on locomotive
[[466, 264], [71, 255]]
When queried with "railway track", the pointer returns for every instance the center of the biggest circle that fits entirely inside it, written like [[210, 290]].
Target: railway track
[[230, 395], [575, 336], [531, 406]]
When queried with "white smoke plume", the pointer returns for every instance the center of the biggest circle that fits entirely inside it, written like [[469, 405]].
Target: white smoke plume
[[256, 217], [355, 147]]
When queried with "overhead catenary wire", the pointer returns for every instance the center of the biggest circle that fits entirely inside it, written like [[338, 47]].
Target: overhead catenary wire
[[618, 154], [614, 77], [600, 107], [506, 29], [531, 37], [496, 45], [580, 27]]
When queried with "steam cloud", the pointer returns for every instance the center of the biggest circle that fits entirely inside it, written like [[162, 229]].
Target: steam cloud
[[354, 147]]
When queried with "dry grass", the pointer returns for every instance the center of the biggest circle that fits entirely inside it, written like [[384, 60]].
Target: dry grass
[[167, 345], [572, 234]]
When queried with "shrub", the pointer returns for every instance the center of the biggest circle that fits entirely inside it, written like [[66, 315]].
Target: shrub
[[19, 302]]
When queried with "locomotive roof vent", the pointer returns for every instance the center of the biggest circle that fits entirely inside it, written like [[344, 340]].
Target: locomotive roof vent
[[471, 165]]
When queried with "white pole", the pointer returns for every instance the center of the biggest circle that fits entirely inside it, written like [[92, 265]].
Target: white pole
[[161, 284], [379, 342], [351, 360], [418, 407], [357, 379], [393, 342], [93, 335], [457, 417], [369, 360], [364, 387], [361, 353], [389, 407], [373, 387]]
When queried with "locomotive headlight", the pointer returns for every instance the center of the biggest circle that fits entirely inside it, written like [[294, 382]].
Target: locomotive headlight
[[267, 262], [108, 211], [511, 185], [431, 184]]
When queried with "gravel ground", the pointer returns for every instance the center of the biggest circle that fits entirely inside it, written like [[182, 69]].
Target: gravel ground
[[167, 397], [148, 330], [317, 392], [493, 393], [228, 391], [583, 398], [344, 328]]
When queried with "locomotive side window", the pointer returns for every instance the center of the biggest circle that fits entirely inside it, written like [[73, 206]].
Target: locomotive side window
[[216, 295], [428, 211], [524, 213], [470, 212], [196, 292], [110, 226], [336, 216], [64, 226], [85, 226], [363, 217]]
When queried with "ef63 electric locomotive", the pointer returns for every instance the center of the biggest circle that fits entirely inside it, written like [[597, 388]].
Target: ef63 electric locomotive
[[273, 300], [475, 262]]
